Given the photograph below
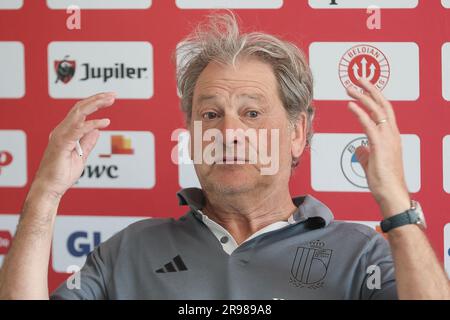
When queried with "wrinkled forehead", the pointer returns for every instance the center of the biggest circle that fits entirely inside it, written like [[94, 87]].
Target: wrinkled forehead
[[247, 79]]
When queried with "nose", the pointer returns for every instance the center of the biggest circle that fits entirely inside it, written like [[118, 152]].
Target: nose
[[233, 125]]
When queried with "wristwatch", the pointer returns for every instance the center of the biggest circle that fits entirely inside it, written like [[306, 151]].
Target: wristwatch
[[413, 215]]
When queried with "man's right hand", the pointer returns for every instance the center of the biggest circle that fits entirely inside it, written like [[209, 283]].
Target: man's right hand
[[61, 165], [24, 271]]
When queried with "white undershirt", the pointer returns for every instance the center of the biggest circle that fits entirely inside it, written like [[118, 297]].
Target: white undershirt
[[226, 239]]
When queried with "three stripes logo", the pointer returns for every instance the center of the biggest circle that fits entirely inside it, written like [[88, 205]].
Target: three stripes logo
[[176, 265]]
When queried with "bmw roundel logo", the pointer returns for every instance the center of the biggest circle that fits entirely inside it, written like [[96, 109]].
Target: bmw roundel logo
[[350, 166]]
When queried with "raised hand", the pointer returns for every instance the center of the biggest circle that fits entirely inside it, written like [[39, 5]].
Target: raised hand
[[62, 165], [382, 159]]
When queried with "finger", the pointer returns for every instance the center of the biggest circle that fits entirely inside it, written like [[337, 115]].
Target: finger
[[73, 124], [376, 111], [378, 97], [90, 125], [88, 106], [370, 89], [370, 128], [362, 153], [78, 131], [88, 142]]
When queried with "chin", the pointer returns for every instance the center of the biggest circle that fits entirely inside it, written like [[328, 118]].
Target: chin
[[232, 179]]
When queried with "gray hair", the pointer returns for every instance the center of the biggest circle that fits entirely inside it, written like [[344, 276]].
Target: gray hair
[[219, 40]]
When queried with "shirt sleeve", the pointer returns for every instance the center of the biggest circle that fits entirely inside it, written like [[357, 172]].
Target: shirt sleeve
[[92, 281], [379, 280]]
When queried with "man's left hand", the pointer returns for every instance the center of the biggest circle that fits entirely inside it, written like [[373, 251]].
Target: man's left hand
[[382, 159]]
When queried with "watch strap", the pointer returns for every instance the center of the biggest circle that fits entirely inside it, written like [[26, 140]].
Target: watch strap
[[401, 219]]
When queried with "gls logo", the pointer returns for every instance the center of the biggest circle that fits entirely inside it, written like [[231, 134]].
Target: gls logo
[[76, 236], [80, 244]]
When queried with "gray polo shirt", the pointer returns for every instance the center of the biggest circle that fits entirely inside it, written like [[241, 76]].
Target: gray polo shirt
[[310, 256]]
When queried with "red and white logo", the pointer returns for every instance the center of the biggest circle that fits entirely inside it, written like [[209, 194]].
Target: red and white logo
[[65, 69], [8, 224], [5, 241], [5, 159], [392, 66], [13, 161], [364, 61]]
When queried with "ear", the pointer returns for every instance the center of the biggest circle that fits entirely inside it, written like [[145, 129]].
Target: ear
[[190, 141], [298, 136]]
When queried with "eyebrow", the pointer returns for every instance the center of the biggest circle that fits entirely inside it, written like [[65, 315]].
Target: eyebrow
[[256, 96], [206, 97]]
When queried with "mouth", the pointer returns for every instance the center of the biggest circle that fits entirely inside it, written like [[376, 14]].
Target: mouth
[[230, 160]]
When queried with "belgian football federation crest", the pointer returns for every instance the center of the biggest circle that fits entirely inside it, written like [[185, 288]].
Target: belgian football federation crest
[[65, 69], [364, 61], [310, 265]]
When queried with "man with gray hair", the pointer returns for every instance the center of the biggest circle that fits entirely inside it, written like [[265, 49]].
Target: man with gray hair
[[244, 236]]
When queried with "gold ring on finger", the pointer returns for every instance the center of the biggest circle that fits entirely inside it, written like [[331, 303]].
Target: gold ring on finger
[[381, 121]]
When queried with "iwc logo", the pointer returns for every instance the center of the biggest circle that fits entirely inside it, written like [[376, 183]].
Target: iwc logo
[[310, 265], [364, 61], [350, 166]]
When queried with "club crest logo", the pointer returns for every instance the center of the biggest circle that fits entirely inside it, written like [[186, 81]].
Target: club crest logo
[[65, 69], [310, 265], [364, 61]]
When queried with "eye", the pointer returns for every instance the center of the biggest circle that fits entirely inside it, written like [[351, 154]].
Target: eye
[[253, 114], [210, 115]]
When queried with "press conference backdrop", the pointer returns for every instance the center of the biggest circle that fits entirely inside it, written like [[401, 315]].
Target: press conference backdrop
[[126, 46]]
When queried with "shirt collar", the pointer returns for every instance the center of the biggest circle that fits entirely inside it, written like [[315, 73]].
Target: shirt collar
[[309, 209]]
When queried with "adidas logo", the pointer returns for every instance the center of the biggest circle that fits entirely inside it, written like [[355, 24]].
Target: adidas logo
[[175, 265]]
